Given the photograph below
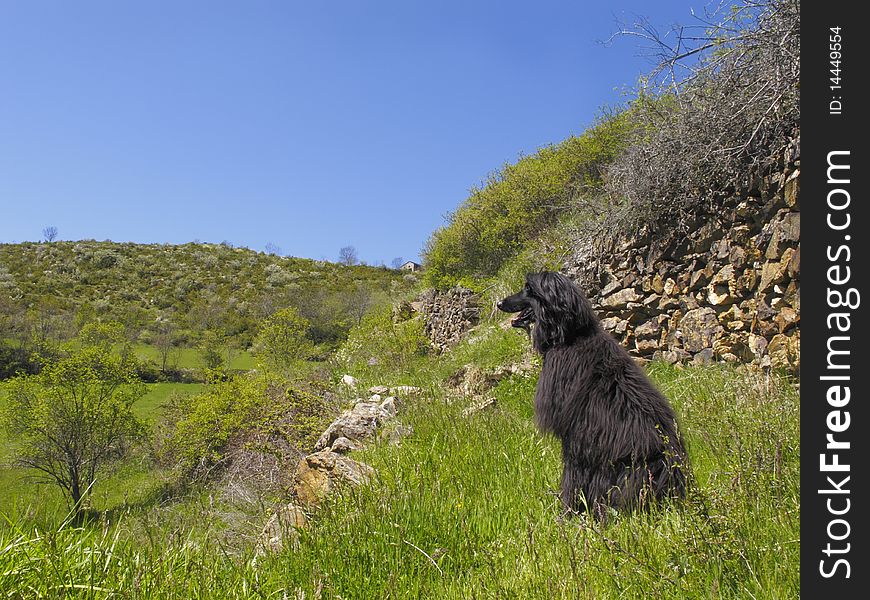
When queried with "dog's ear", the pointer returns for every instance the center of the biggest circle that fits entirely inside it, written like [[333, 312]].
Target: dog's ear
[[562, 311]]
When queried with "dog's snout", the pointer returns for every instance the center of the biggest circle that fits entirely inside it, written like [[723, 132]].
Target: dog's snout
[[499, 304]]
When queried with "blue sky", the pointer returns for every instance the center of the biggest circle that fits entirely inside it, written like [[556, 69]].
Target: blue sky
[[310, 125]]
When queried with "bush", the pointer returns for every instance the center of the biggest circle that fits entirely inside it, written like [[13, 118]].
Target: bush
[[518, 202], [378, 340], [258, 411], [281, 340]]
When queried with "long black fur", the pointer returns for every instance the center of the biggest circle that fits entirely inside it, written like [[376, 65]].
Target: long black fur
[[621, 447]]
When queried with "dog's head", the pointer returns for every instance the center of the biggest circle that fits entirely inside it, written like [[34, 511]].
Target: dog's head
[[555, 305]]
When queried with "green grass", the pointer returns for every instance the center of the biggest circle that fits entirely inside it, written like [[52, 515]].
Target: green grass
[[191, 358], [465, 508]]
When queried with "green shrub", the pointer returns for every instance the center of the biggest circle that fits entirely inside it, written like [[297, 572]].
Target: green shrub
[[518, 202], [199, 431], [378, 341], [281, 340]]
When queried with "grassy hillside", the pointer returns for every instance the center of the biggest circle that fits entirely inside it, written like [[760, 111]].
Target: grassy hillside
[[465, 507], [178, 302]]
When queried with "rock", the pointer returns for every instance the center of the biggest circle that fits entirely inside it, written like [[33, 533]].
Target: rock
[[283, 528], [674, 356], [395, 434], [785, 351], [757, 345], [389, 406], [405, 390], [774, 272], [356, 424], [381, 390], [614, 325], [649, 330], [349, 381], [621, 299], [478, 406], [319, 473], [657, 285], [786, 317], [343, 445], [699, 328], [794, 265], [793, 189], [722, 287], [448, 316], [704, 357], [646, 346], [610, 288]]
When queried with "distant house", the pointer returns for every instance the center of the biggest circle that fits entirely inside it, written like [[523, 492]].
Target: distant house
[[411, 266]]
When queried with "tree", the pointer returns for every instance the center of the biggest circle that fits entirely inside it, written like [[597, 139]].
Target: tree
[[165, 340], [49, 233], [348, 256], [281, 340], [397, 262], [273, 249], [74, 417]]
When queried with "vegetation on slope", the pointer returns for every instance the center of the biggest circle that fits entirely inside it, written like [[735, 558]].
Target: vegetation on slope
[[677, 149], [210, 297], [464, 507]]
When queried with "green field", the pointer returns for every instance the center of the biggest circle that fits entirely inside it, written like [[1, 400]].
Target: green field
[[191, 358]]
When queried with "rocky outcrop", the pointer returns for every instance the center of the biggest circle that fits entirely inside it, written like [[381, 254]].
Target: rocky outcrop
[[448, 315], [319, 473], [727, 288], [329, 466], [282, 528], [357, 424]]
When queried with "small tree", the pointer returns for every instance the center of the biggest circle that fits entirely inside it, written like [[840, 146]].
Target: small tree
[[397, 262], [49, 233], [165, 340], [272, 248], [348, 256], [282, 340], [74, 417]]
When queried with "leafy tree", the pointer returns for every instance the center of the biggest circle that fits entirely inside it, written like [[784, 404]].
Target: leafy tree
[[348, 256], [165, 340], [211, 349], [282, 341], [74, 417]]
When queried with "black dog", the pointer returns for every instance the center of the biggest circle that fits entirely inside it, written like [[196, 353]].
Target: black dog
[[620, 444]]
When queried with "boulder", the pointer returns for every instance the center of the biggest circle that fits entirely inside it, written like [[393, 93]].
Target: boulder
[[355, 424], [621, 299], [282, 528], [319, 473], [699, 328], [785, 351]]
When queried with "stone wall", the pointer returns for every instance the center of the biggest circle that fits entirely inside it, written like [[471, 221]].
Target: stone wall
[[448, 315], [729, 289]]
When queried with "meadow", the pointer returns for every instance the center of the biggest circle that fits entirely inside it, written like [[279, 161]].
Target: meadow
[[465, 507]]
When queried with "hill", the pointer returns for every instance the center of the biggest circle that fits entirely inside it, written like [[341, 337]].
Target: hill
[[183, 295]]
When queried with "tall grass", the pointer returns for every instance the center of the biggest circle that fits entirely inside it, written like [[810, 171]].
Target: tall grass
[[466, 507]]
